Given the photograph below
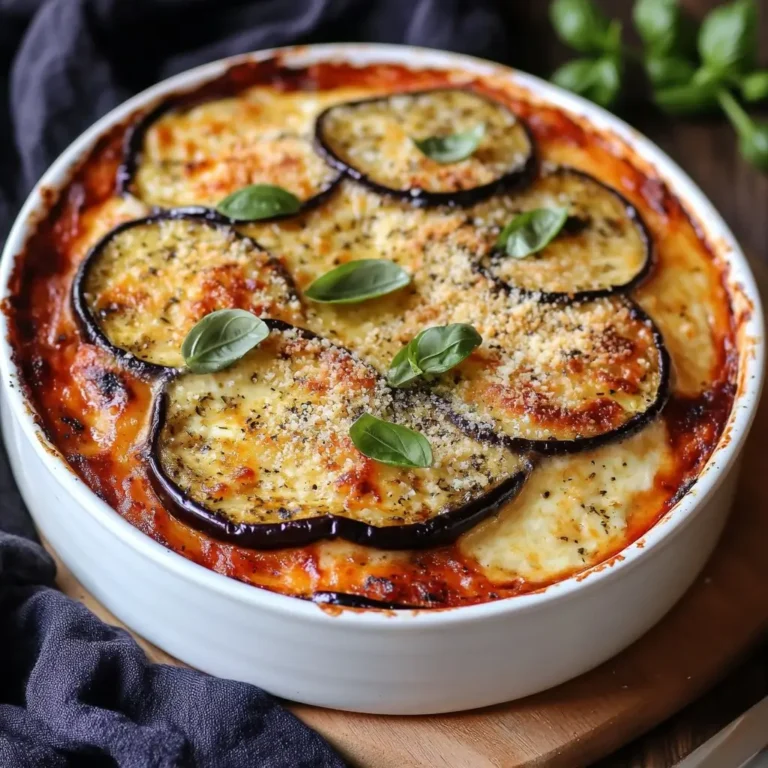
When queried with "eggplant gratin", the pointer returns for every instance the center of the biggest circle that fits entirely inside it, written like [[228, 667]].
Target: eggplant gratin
[[374, 336]]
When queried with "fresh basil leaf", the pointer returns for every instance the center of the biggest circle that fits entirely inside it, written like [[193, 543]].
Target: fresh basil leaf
[[452, 148], [581, 25], [434, 351], [598, 80], [575, 75], [390, 443], [728, 37], [690, 99], [657, 22], [438, 349], [754, 87], [754, 146], [358, 281], [401, 372], [706, 76], [222, 338], [753, 137], [531, 231], [258, 201], [666, 71]]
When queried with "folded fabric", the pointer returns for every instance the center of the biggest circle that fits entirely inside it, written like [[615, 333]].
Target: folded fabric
[[74, 691]]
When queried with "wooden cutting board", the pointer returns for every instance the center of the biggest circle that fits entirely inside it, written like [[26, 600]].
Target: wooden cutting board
[[721, 618]]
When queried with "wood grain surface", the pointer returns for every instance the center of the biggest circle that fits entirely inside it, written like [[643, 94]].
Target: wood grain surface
[[721, 624]]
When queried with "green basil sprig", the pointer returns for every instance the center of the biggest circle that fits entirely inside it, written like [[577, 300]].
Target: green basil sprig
[[358, 281], [664, 29], [221, 338], [259, 201], [690, 71], [728, 38], [531, 231], [452, 148], [434, 351], [753, 137], [754, 86], [686, 98], [668, 71], [598, 80], [390, 443], [581, 25]]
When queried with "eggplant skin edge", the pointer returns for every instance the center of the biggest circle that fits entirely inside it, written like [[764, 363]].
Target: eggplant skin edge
[[557, 297], [132, 150], [559, 447], [350, 600], [510, 181], [440, 530], [87, 323]]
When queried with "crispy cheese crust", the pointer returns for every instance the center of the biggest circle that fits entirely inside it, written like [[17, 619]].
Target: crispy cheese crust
[[374, 140], [197, 154], [265, 442], [156, 277], [604, 246], [574, 511]]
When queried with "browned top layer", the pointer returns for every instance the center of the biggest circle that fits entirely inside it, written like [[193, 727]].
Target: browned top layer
[[96, 412]]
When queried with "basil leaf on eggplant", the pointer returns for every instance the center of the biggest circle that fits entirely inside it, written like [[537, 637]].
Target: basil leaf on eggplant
[[144, 286], [371, 140], [453, 147], [259, 201], [531, 231], [194, 150], [603, 246], [401, 373], [358, 281], [222, 338], [434, 351], [389, 443], [260, 454]]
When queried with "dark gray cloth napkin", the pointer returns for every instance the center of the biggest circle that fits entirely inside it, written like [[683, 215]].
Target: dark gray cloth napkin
[[74, 691]]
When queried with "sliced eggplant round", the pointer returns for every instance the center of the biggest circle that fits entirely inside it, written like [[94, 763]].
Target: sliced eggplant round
[[187, 152], [376, 141], [603, 247], [146, 283], [259, 454], [557, 378]]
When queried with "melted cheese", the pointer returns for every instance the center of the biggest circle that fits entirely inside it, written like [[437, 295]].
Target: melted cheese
[[605, 248], [376, 139], [149, 284], [573, 510], [199, 155], [267, 441], [543, 371]]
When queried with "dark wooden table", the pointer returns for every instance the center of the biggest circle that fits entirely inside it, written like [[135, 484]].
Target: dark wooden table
[[706, 149]]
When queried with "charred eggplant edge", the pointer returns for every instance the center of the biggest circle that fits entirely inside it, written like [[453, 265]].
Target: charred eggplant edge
[[88, 324], [351, 600], [554, 297], [440, 530], [514, 179]]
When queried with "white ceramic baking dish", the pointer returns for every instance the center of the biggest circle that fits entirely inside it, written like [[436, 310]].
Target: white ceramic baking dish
[[406, 662]]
